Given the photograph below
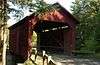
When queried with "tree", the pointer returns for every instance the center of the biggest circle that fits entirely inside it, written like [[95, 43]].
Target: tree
[[86, 12], [3, 29], [34, 6]]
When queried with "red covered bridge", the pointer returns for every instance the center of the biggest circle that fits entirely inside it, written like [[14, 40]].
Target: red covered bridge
[[55, 29]]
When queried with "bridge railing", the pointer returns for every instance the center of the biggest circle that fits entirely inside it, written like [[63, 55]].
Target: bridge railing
[[46, 59]]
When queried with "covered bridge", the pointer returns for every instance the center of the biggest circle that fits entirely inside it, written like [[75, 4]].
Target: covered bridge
[[55, 32]]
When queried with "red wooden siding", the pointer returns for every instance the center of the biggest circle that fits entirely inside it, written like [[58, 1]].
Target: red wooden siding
[[18, 42]]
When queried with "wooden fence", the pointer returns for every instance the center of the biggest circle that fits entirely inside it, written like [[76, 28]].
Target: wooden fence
[[47, 60]]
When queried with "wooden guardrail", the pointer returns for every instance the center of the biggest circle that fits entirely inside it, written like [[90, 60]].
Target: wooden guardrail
[[47, 60]]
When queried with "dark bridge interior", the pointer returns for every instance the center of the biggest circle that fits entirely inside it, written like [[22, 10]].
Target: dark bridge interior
[[50, 36]]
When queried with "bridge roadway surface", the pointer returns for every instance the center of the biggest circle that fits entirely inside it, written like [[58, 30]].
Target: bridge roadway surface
[[61, 59]]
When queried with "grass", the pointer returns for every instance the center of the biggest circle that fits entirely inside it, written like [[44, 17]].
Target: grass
[[97, 55], [29, 62]]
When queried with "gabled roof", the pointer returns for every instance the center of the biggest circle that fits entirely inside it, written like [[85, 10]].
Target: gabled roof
[[60, 10], [67, 12]]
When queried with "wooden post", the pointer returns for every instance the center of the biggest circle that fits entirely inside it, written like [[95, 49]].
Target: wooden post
[[36, 54], [45, 58]]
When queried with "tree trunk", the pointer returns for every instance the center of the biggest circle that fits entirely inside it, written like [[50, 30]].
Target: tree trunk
[[5, 43], [4, 48], [4, 32]]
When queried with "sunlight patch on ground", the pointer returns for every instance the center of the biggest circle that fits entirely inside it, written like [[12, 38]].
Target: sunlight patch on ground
[[0, 63]]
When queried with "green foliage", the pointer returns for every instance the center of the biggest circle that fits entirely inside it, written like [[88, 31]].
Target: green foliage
[[34, 39], [40, 7], [34, 6], [97, 55], [88, 33]]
